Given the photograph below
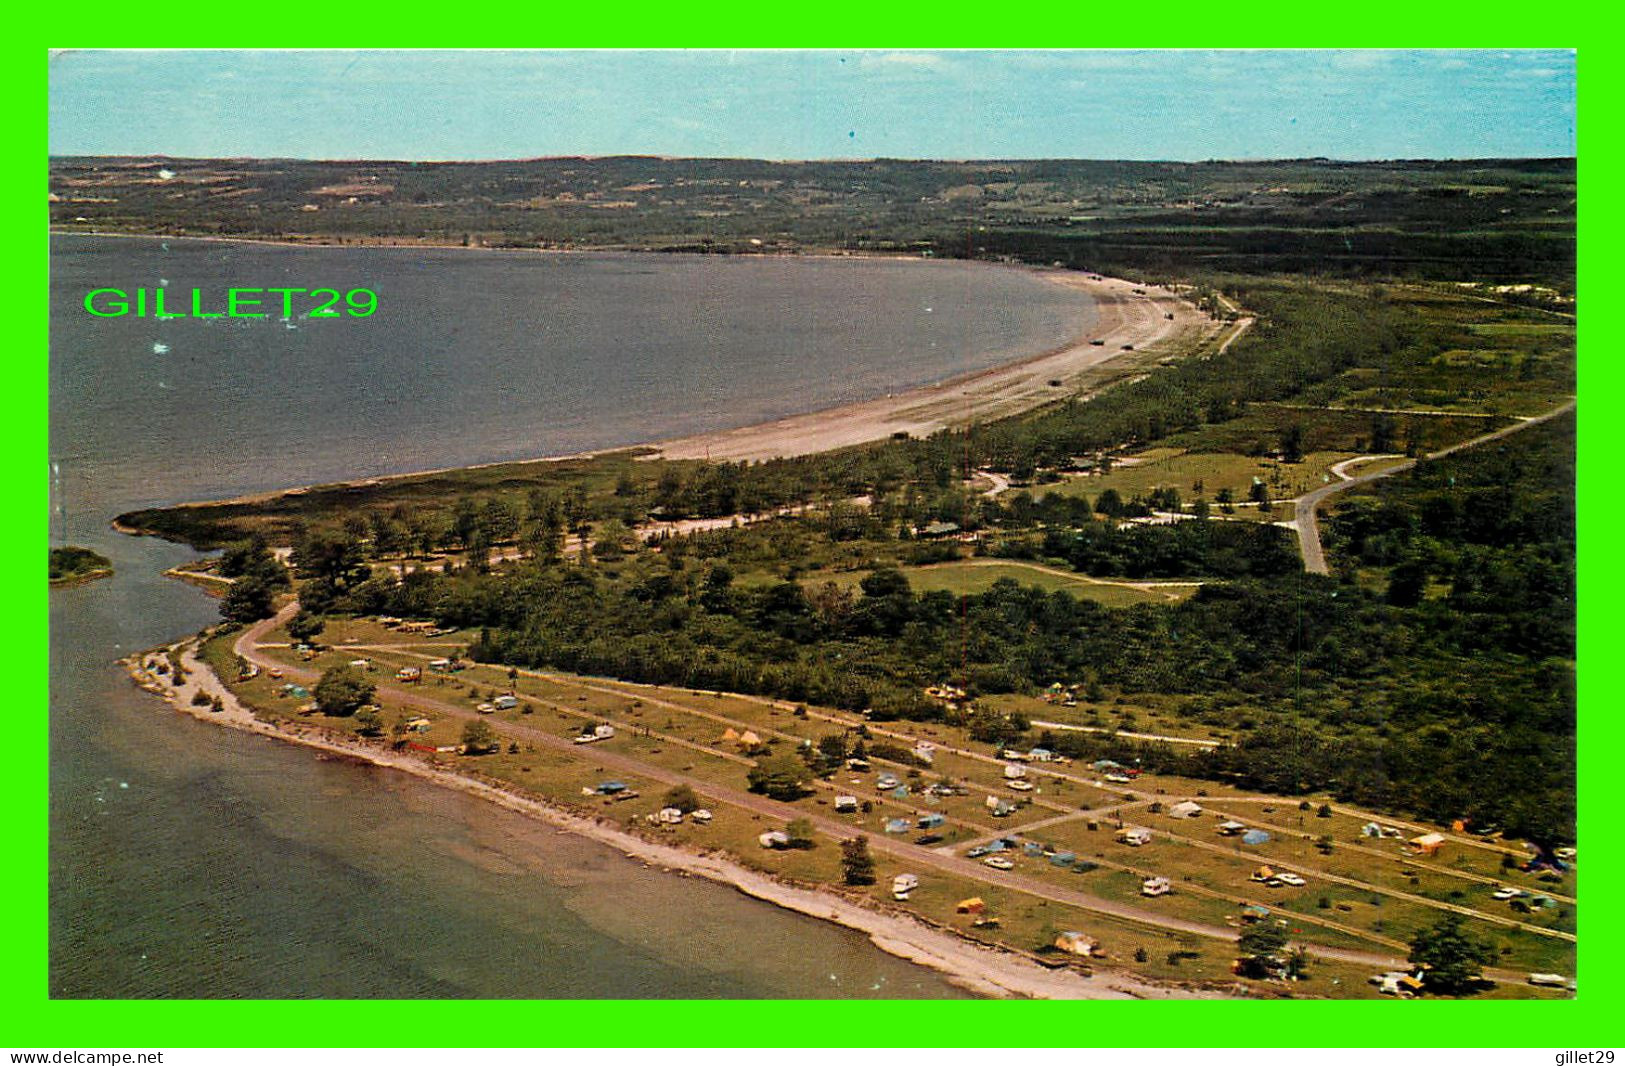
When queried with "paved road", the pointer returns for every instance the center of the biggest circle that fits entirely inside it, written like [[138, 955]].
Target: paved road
[[1305, 506]]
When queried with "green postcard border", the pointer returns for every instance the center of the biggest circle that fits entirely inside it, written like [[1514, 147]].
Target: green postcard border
[[32, 1019]]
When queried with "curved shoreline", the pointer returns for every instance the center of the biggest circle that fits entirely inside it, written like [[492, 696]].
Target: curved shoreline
[[982, 970], [1127, 316]]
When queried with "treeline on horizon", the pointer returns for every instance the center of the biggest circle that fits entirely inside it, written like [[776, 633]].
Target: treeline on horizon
[[1507, 219]]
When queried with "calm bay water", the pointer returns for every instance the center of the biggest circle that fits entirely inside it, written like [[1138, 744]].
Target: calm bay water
[[188, 860]]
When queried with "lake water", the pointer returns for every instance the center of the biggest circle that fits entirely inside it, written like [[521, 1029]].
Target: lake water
[[189, 860]]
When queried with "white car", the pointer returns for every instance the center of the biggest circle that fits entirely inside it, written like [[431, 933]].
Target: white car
[[1504, 893], [1021, 786], [1290, 879], [1119, 779], [998, 862]]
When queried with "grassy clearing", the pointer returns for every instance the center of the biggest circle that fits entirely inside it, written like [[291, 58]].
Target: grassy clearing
[[1202, 473], [1026, 921], [972, 576]]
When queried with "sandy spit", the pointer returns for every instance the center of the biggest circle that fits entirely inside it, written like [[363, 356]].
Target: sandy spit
[[985, 971]]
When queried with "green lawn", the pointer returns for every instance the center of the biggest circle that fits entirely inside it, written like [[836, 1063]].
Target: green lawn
[[970, 576]]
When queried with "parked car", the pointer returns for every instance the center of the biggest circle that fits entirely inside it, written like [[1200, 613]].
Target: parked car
[[998, 862]]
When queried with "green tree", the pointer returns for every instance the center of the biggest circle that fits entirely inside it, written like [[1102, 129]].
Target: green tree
[[369, 723], [305, 626], [1453, 959], [343, 690], [857, 865], [1261, 945], [683, 798], [800, 832], [1292, 444], [1406, 583], [780, 777], [247, 600], [479, 738]]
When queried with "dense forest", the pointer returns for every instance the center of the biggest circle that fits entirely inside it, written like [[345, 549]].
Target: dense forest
[[1429, 691]]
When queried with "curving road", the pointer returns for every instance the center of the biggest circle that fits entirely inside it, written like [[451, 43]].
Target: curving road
[[1307, 522]]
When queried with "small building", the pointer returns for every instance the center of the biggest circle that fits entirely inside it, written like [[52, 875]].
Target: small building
[[774, 839], [440, 666], [1013, 772], [932, 821], [419, 724], [1043, 755], [505, 702], [998, 807], [902, 885], [974, 905], [1426, 844], [1134, 836], [1185, 809], [670, 816], [846, 804], [887, 781], [898, 825], [409, 674], [1076, 943], [1156, 886]]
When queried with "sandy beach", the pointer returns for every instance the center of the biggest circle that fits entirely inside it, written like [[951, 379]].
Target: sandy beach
[[1128, 315], [982, 970], [1131, 319]]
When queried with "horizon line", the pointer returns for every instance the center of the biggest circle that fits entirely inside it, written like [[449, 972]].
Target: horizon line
[[667, 158]]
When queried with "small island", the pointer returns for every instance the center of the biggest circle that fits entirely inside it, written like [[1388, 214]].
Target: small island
[[71, 565]]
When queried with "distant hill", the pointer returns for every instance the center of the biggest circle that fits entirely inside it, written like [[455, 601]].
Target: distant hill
[[1503, 219]]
